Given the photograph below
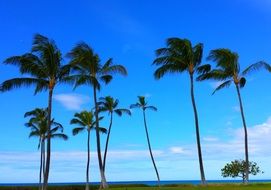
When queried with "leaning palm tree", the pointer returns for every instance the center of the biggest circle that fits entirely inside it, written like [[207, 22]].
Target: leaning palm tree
[[177, 57], [88, 70], [85, 121], [142, 104], [41, 68], [228, 71], [109, 104], [38, 125]]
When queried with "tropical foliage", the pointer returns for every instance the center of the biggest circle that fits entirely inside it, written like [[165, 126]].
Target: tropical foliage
[[110, 105], [143, 104], [87, 69], [85, 121], [237, 168], [177, 57], [42, 69], [228, 71], [38, 126]]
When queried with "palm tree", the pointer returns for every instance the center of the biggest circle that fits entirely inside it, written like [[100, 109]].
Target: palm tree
[[88, 70], [228, 71], [180, 56], [41, 68], [109, 104], [142, 104], [38, 125], [85, 121]]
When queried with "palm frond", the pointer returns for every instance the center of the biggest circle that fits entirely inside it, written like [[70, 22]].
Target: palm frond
[[223, 85], [203, 69], [106, 78], [102, 130], [77, 130], [137, 105], [197, 54], [60, 136], [168, 69], [18, 82], [78, 122], [257, 66], [151, 108], [121, 111]]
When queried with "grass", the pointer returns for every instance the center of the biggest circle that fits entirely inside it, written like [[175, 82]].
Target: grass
[[256, 186]]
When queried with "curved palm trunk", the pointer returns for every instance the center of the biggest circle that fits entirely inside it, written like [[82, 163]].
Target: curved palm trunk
[[104, 184], [202, 175], [107, 140], [48, 156], [87, 172], [41, 161], [245, 131], [149, 145]]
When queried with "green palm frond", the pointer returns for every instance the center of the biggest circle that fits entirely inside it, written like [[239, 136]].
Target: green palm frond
[[119, 112], [257, 66], [223, 85], [168, 69], [215, 74], [34, 134], [197, 54], [226, 59], [203, 69], [106, 78], [151, 108], [137, 105], [77, 121], [17, 83], [78, 130], [60, 136], [115, 69], [102, 130], [27, 63], [178, 56]]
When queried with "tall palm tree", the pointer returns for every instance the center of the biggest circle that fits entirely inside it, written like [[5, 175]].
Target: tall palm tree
[[177, 57], [88, 70], [142, 104], [41, 68], [109, 104], [85, 121], [228, 71], [38, 125]]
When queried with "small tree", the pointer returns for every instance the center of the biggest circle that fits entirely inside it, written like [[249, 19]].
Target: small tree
[[237, 168]]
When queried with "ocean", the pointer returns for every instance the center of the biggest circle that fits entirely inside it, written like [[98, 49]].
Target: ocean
[[150, 183]]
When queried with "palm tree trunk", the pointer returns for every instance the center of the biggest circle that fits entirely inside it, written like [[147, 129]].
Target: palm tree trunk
[[104, 184], [87, 172], [245, 131], [203, 181], [48, 156], [41, 161], [149, 145], [107, 140], [43, 155]]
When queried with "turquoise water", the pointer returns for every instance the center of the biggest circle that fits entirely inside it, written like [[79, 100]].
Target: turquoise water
[[195, 182]]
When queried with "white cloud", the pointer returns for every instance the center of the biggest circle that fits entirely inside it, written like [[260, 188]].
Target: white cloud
[[178, 161], [210, 139], [71, 101], [177, 150], [236, 108]]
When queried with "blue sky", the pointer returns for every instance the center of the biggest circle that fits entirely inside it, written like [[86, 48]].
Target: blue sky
[[130, 31]]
